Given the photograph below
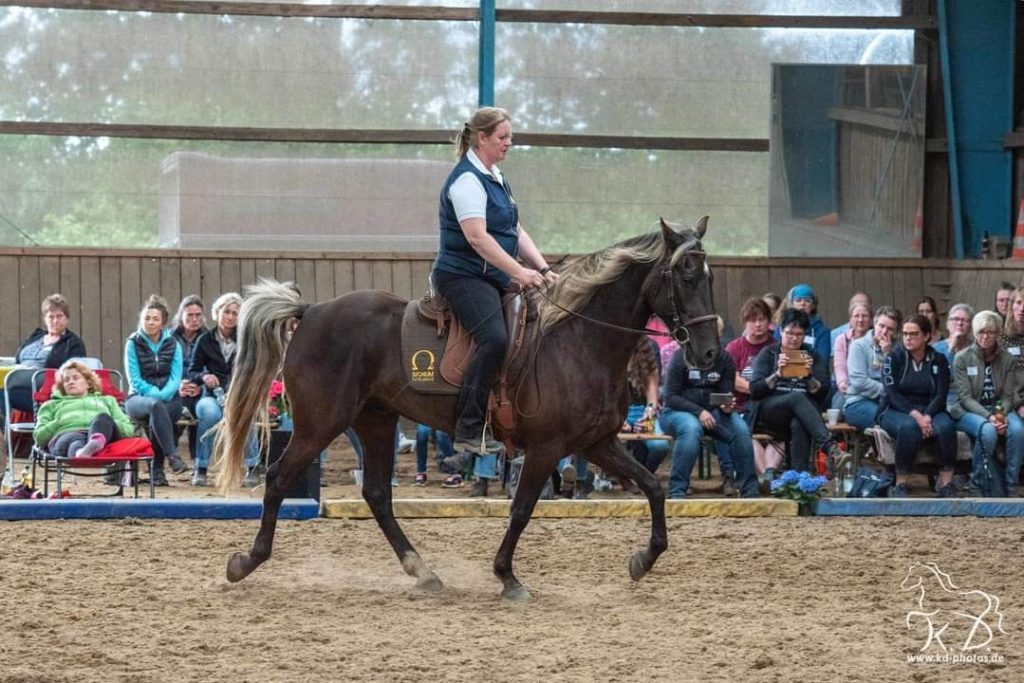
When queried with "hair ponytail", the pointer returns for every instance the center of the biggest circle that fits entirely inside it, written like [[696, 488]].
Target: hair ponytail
[[484, 120]]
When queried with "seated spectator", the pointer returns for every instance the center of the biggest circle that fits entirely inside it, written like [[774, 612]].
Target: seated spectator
[[864, 365], [1012, 338], [643, 377], [774, 303], [929, 309], [862, 298], [913, 408], [757, 334], [958, 331], [985, 406], [51, 346], [442, 441], [784, 403], [188, 324], [689, 413], [803, 298], [153, 361], [210, 368], [860, 323], [78, 420], [1002, 302]]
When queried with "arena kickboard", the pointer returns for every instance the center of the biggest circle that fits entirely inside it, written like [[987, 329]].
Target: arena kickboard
[[150, 508], [499, 507], [921, 507]]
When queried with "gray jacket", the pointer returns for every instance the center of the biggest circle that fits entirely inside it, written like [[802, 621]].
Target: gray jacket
[[864, 368], [969, 376]]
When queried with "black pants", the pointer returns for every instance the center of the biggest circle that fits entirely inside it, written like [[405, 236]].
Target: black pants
[[66, 444], [477, 304], [794, 413]]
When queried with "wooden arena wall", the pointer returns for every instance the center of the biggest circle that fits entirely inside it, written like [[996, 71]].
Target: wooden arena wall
[[106, 288]]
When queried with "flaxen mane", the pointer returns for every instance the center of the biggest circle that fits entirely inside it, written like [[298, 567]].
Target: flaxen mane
[[581, 278]]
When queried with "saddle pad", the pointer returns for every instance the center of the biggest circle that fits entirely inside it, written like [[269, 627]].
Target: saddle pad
[[422, 350]]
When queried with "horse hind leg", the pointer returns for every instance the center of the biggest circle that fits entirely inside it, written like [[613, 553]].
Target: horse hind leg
[[377, 432], [297, 456], [611, 456]]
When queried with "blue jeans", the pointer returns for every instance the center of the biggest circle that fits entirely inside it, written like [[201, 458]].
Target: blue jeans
[[689, 434], [652, 453], [984, 436], [582, 469], [861, 414], [444, 445], [904, 430], [208, 413]]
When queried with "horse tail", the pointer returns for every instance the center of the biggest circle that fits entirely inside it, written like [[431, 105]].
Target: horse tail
[[268, 317]]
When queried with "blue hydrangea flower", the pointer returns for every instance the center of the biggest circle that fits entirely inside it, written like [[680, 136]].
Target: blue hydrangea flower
[[805, 475], [821, 480], [809, 485], [789, 477], [777, 484]]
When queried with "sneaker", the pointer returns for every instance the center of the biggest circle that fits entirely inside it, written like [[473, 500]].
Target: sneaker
[[729, 487], [405, 444], [568, 475], [601, 483], [199, 478], [947, 491], [453, 481], [473, 446], [420, 480], [177, 464], [899, 491], [158, 477], [252, 477], [394, 482], [479, 489], [456, 464]]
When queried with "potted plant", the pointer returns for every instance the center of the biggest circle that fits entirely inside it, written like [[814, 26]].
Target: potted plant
[[802, 487]]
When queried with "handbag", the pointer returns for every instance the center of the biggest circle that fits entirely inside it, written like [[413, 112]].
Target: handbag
[[871, 483]]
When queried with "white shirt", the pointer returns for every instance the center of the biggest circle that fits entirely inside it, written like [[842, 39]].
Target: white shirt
[[467, 192]]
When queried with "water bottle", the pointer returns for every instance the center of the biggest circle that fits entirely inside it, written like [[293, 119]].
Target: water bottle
[[218, 393], [848, 475], [7, 484]]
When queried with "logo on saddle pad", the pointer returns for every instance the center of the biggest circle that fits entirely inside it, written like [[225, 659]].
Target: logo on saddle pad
[[423, 364]]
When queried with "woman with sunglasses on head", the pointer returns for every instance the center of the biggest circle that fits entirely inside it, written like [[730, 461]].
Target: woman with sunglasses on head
[[913, 407]]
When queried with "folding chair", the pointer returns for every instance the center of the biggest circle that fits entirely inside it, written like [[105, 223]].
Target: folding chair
[[124, 454], [89, 362], [17, 396]]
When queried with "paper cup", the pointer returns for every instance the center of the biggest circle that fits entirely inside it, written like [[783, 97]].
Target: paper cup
[[833, 416], [357, 477]]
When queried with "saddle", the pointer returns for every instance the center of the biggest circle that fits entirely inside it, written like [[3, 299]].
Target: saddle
[[437, 349]]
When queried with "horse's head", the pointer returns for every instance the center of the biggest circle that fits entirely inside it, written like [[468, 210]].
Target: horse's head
[[679, 292]]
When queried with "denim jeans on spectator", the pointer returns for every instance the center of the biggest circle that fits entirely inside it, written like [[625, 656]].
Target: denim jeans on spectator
[[159, 417], [209, 413], [442, 439], [689, 434], [976, 426], [904, 430], [582, 469], [861, 414]]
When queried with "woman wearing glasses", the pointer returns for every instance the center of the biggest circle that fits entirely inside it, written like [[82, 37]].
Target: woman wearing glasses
[[985, 407], [913, 408]]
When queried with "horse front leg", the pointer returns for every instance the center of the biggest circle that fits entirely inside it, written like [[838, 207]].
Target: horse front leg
[[611, 456], [377, 432], [301, 450], [537, 468]]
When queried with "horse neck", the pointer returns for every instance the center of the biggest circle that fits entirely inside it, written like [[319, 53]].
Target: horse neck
[[618, 303]]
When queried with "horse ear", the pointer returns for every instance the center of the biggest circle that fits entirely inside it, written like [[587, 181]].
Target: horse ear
[[702, 226], [669, 234]]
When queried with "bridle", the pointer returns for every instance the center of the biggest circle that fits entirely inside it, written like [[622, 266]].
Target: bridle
[[679, 329]]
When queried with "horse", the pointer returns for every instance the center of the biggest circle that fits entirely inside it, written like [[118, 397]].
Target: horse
[[342, 366]]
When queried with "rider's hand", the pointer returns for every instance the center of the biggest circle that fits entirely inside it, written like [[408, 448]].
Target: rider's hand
[[529, 278]]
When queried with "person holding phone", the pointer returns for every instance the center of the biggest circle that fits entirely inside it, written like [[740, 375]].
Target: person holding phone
[[698, 402], [788, 392]]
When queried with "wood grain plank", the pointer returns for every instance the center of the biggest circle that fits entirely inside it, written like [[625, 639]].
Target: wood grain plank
[[231, 275], [11, 334], [285, 269], [344, 277], [112, 330], [323, 277], [209, 278], [132, 295], [381, 275], [170, 282], [192, 280], [362, 274], [89, 324], [30, 315], [305, 278]]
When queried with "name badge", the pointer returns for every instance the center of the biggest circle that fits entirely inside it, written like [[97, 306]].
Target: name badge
[[935, 369], [972, 371], [809, 340], [1014, 350], [695, 374]]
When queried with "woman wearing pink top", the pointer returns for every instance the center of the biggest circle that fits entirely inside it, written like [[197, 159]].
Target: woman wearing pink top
[[860, 323]]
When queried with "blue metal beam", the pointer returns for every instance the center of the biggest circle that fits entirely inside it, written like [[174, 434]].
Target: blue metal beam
[[485, 74]]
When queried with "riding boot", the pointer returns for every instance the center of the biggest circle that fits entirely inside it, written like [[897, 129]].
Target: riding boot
[[479, 489]]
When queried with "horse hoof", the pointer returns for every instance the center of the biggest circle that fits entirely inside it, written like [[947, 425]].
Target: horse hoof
[[430, 584], [636, 566], [516, 593], [236, 567]]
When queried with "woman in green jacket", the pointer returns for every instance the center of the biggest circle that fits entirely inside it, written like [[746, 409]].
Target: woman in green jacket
[[78, 419]]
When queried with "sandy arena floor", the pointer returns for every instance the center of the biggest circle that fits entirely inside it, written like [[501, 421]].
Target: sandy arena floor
[[784, 599]]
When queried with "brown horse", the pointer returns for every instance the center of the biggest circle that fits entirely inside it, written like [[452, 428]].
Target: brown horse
[[343, 368]]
